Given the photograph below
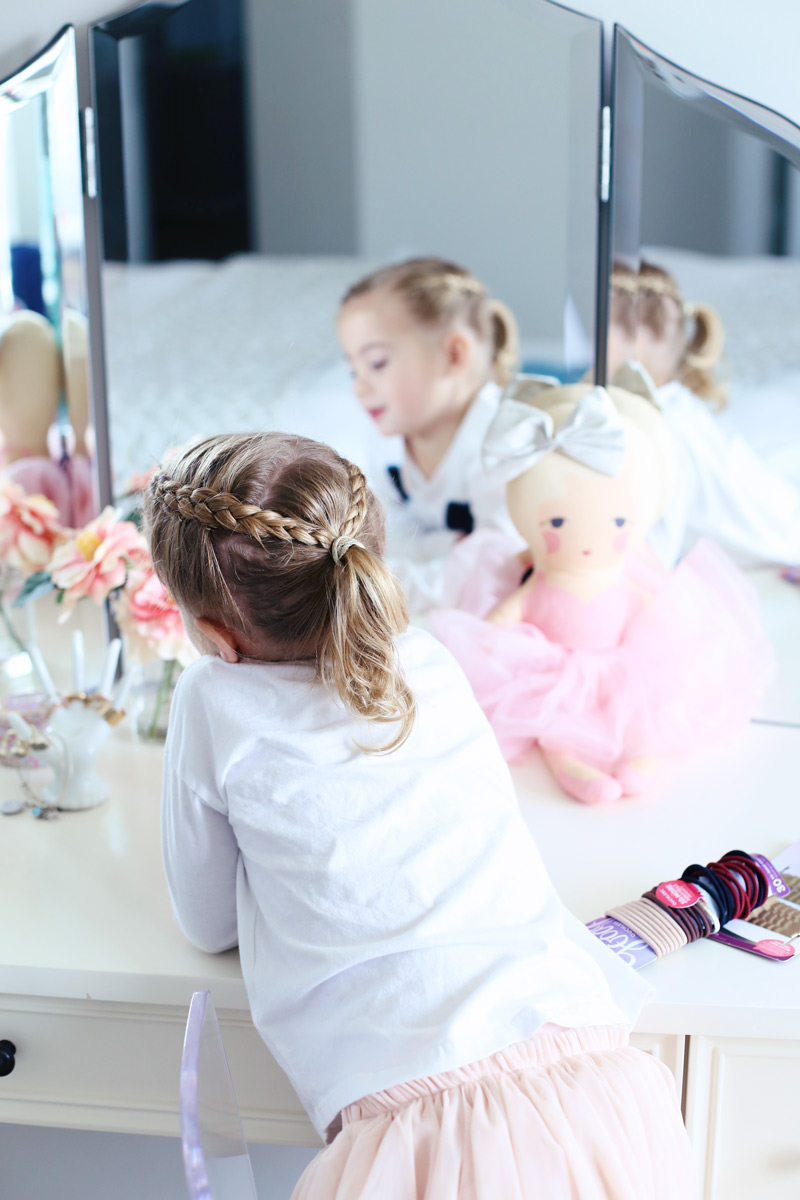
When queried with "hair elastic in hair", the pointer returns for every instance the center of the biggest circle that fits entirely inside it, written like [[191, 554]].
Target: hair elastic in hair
[[340, 546]]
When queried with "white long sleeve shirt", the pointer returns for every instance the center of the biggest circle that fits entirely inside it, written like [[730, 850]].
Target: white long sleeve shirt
[[427, 516], [723, 490], [392, 913]]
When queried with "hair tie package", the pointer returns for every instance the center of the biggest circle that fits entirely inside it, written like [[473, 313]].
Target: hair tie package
[[742, 900]]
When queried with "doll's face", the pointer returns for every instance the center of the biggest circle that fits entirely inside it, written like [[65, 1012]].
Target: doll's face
[[403, 372], [575, 519]]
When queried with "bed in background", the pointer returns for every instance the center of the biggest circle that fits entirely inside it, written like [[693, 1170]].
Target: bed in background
[[197, 348]]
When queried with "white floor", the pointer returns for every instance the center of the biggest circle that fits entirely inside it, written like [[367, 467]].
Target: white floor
[[60, 1164]]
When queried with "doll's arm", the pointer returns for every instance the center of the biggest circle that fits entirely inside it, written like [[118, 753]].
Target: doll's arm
[[511, 610]]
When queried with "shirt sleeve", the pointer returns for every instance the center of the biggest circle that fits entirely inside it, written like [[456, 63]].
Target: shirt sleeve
[[739, 500], [201, 858]]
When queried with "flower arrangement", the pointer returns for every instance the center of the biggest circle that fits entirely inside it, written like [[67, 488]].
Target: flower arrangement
[[106, 560], [30, 531]]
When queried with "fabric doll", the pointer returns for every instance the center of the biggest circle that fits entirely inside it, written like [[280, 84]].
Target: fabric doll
[[604, 657], [32, 377]]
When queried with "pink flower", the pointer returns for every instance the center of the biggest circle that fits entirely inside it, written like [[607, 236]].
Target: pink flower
[[96, 560], [147, 614], [29, 529]]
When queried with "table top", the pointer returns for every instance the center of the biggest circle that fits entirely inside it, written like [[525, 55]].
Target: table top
[[86, 911]]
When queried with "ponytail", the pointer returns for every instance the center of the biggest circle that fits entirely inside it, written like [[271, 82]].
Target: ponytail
[[702, 354], [505, 341], [357, 657]]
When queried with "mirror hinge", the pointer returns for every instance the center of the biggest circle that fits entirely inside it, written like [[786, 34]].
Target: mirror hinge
[[605, 154], [89, 155]]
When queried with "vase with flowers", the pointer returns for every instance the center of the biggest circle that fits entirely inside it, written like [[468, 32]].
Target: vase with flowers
[[30, 533], [108, 560]]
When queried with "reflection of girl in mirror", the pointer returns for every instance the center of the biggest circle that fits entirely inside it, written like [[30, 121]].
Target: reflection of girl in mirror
[[430, 352], [335, 803], [723, 490], [607, 660]]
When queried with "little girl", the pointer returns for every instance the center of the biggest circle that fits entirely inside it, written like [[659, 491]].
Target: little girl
[[723, 490], [430, 352], [335, 803]]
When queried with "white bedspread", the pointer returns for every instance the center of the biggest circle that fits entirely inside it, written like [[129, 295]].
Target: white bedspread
[[199, 348]]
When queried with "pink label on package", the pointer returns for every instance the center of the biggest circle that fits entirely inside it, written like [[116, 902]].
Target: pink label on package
[[677, 893], [626, 944], [776, 885], [775, 949]]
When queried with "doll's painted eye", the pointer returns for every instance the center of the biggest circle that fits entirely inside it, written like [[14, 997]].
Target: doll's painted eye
[[556, 522], [620, 521]]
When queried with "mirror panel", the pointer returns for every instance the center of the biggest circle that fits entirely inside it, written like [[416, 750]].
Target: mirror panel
[[229, 242], [706, 185], [47, 440]]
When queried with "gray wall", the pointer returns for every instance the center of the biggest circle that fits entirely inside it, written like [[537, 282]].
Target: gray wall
[[301, 125], [707, 185], [465, 128]]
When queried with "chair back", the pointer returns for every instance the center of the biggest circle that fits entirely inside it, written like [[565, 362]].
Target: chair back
[[215, 1158]]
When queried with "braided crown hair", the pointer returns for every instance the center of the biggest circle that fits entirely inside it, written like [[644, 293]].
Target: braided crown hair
[[653, 299], [279, 538], [437, 292]]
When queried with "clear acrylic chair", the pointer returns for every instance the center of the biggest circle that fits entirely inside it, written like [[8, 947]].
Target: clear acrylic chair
[[215, 1157]]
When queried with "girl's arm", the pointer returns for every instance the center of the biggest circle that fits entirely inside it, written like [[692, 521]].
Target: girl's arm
[[200, 857]]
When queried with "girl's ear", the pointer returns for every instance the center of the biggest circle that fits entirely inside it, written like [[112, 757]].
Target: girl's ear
[[224, 639], [459, 350]]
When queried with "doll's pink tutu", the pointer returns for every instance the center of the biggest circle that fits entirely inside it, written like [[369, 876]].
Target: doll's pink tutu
[[662, 663]]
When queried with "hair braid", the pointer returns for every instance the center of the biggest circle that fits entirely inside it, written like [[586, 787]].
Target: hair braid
[[222, 510], [358, 508]]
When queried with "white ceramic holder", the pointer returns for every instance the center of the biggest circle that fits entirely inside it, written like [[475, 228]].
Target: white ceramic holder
[[77, 731]]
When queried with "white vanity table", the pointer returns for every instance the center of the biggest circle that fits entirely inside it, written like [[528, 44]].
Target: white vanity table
[[95, 978]]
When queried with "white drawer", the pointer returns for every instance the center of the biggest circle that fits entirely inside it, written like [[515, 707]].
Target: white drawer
[[86, 1065], [741, 1113], [669, 1048]]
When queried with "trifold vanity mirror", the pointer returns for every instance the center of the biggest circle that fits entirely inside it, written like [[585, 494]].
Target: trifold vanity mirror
[[239, 202], [46, 440], [705, 213]]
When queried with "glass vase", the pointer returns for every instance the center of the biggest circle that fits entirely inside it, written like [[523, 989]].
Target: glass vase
[[151, 698], [17, 674]]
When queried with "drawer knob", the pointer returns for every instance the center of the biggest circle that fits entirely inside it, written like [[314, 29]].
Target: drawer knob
[[7, 1052]]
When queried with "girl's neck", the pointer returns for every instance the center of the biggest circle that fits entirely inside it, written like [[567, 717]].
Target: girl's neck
[[428, 446]]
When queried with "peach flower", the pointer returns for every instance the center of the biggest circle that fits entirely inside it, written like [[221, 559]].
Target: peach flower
[[29, 529], [150, 619], [96, 559]]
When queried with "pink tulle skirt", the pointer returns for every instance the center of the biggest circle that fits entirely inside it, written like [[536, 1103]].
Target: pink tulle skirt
[[571, 1115], [685, 673]]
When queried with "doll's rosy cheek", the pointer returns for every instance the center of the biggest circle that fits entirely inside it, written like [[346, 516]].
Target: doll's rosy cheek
[[621, 541], [552, 541]]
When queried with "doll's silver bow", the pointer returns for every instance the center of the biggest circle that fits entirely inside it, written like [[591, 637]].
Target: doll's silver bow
[[520, 435]]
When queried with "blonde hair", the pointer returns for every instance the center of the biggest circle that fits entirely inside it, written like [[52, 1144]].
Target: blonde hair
[[437, 292], [651, 298], [280, 538]]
